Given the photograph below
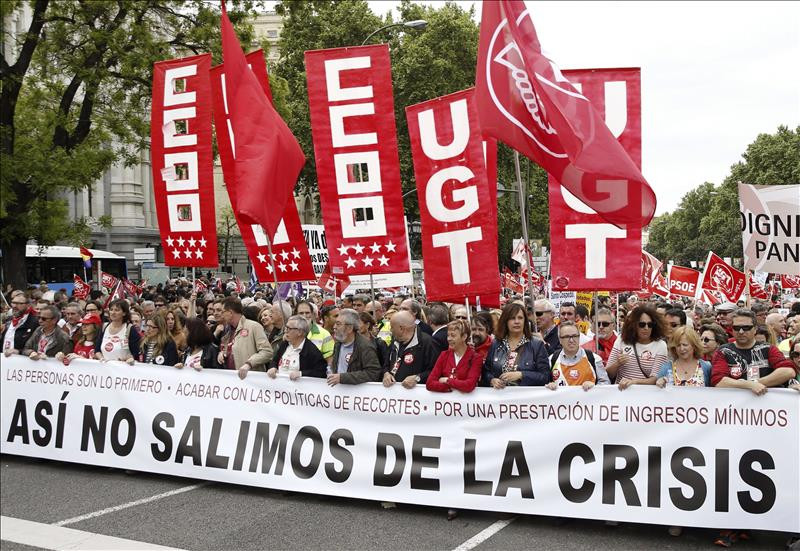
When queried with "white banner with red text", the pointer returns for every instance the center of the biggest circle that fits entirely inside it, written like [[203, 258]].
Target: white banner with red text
[[677, 456]]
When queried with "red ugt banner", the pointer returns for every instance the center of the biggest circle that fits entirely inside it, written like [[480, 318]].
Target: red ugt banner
[[183, 174], [683, 281], [455, 199], [292, 261], [721, 277], [355, 145], [586, 251]]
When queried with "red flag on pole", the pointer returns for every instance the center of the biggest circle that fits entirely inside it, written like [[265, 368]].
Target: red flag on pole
[[525, 101], [81, 288], [335, 284], [268, 157], [719, 276]]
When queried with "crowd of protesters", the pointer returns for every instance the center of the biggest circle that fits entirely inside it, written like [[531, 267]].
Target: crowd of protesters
[[400, 340]]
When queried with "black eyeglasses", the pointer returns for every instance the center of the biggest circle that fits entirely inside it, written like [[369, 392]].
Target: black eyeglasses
[[706, 340], [461, 317], [648, 324], [569, 337], [42, 318], [742, 328], [538, 313], [603, 323]]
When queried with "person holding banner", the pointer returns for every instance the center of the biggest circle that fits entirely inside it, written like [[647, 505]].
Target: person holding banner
[[48, 339], [747, 364], [515, 358], [157, 346], [573, 365], [458, 367], [354, 358], [297, 356], [246, 347], [84, 345], [118, 339], [21, 326], [640, 350], [412, 353], [687, 368], [201, 352]]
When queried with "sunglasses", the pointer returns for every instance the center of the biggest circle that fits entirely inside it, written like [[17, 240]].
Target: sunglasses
[[461, 317], [706, 340], [42, 318], [648, 324], [742, 328], [603, 323], [538, 314]]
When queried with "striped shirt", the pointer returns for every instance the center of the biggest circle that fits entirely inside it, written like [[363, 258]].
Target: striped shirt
[[651, 356]]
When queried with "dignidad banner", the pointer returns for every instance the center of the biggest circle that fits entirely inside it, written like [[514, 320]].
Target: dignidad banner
[[676, 456]]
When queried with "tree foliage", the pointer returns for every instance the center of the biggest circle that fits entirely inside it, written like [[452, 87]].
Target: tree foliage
[[76, 99], [708, 216]]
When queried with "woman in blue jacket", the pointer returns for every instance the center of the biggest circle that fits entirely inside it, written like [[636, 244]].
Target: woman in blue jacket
[[515, 358]]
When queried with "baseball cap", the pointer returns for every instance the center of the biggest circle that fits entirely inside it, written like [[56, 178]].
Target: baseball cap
[[92, 319], [725, 307]]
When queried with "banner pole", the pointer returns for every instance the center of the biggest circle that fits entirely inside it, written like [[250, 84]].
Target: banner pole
[[747, 286], [594, 319], [371, 288], [524, 220], [469, 315]]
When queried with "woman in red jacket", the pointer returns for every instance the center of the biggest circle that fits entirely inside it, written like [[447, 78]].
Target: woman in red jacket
[[458, 367]]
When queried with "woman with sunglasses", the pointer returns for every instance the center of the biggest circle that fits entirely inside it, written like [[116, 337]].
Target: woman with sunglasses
[[640, 350], [157, 346], [712, 336]]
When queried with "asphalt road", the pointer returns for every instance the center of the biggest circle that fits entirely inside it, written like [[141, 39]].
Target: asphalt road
[[225, 516]]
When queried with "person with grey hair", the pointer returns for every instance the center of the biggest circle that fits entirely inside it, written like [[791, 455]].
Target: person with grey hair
[[148, 309], [297, 356], [413, 306], [439, 317], [281, 311], [48, 339], [355, 359], [382, 327], [545, 313]]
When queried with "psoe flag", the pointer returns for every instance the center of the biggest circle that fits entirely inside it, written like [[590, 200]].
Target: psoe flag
[[770, 221]]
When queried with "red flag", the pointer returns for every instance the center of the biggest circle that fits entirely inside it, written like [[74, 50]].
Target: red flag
[[459, 227], [790, 282], [268, 157], [131, 288], [651, 268], [525, 101], [510, 282], [107, 280], [291, 258], [659, 286], [81, 288], [118, 292], [335, 284], [757, 290], [720, 276], [200, 287], [683, 281]]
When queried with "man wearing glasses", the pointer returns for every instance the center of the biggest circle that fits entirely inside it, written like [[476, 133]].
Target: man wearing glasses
[[21, 325], [574, 366], [606, 337], [745, 363], [297, 356], [48, 339], [545, 314]]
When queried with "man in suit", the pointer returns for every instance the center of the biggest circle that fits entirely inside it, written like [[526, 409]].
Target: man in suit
[[413, 306], [439, 317], [355, 359]]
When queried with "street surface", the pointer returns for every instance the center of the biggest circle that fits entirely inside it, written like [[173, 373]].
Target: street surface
[[54, 505]]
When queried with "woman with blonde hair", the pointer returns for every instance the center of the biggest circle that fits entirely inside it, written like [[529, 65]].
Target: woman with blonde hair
[[157, 346], [686, 366]]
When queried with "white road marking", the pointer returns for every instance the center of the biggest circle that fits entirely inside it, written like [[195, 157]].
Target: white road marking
[[142, 501], [47, 536], [484, 535]]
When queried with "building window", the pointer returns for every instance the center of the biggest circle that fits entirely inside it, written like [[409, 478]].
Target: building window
[[272, 33]]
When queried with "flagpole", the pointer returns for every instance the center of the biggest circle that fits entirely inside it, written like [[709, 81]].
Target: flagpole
[[524, 219], [469, 315], [596, 338]]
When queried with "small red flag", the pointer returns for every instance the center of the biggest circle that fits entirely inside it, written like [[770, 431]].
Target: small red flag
[[267, 156]]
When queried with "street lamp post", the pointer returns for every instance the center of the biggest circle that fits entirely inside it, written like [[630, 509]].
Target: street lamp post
[[415, 24]]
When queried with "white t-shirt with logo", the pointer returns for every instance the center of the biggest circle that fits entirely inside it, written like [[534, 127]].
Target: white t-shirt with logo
[[115, 345], [290, 361]]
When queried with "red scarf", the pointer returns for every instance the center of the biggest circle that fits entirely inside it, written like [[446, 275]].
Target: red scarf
[[16, 319]]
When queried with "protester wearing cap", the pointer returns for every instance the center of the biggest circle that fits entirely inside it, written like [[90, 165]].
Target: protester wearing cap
[[85, 343], [21, 326], [48, 339], [640, 350], [724, 313], [412, 354], [355, 360], [747, 364]]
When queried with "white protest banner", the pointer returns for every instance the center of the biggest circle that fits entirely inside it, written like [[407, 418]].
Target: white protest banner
[[674, 456], [770, 222]]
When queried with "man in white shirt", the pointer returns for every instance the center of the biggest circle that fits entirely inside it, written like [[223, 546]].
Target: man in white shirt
[[296, 355]]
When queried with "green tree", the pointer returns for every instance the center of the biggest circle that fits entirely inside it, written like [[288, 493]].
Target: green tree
[[75, 99], [708, 216]]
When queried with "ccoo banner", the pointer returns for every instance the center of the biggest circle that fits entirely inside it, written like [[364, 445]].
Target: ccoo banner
[[588, 253], [604, 458], [182, 159], [456, 203], [770, 221], [355, 145]]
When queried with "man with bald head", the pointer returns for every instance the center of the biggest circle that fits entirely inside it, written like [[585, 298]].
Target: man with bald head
[[411, 353], [777, 322]]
